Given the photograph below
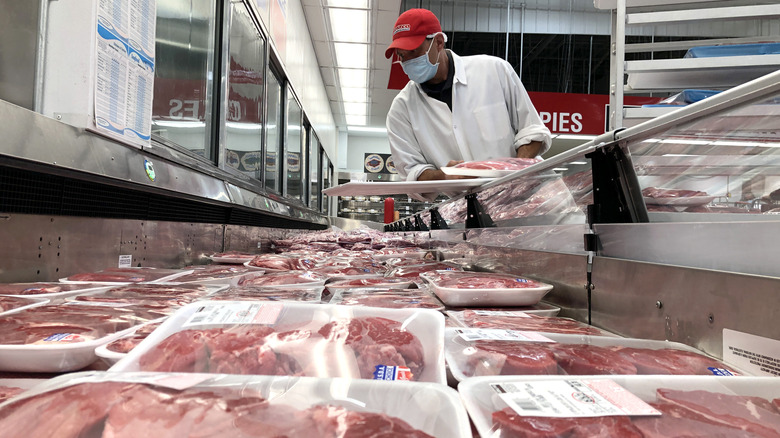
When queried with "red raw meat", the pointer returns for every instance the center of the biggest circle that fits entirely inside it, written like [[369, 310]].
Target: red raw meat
[[716, 209], [509, 358], [165, 298], [284, 278], [281, 262], [349, 271], [415, 271], [749, 414], [504, 163], [124, 275], [482, 280], [336, 421], [512, 425], [367, 282], [401, 300], [261, 293], [655, 192], [531, 323], [42, 288], [377, 341], [10, 303], [7, 392], [240, 350], [679, 421], [584, 359], [126, 344], [668, 361]]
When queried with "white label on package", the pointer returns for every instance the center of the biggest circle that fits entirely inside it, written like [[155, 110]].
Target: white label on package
[[125, 261], [236, 313], [501, 313], [754, 354], [471, 335], [571, 398]]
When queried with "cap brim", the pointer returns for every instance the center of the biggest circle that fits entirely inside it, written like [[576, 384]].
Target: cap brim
[[404, 43]]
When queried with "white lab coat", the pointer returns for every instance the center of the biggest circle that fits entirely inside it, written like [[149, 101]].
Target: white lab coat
[[491, 117]]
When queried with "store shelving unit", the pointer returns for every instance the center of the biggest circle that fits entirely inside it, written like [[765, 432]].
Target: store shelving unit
[[674, 75]]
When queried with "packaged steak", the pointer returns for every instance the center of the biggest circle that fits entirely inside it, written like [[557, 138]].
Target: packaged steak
[[58, 338], [163, 298], [336, 272], [47, 290], [539, 309], [297, 339], [232, 257], [491, 352], [298, 279], [125, 275], [462, 288], [523, 321], [262, 293], [415, 272], [623, 406], [370, 282], [214, 274], [208, 405], [280, 262], [114, 351], [10, 305], [391, 299]]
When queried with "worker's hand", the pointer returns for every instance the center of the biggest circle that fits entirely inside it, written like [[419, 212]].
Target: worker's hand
[[436, 174], [529, 150], [453, 163]]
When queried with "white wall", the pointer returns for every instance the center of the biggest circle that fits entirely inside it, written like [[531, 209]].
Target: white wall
[[359, 145]]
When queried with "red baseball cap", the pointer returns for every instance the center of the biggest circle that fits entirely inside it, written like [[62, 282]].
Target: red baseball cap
[[411, 28]]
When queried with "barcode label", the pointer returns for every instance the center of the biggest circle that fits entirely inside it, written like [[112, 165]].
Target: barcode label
[[471, 335], [571, 398], [236, 313]]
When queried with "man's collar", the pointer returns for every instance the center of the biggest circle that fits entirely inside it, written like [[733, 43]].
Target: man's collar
[[460, 73]]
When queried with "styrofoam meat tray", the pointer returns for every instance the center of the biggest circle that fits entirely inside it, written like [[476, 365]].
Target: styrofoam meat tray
[[683, 200], [456, 348], [479, 173], [22, 303], [427, 325], [429, 407], [481, 399], [70, 289], [232, 260], [111, 357], [488, 297]]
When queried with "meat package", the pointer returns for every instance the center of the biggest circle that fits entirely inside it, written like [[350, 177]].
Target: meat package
[[674, 406], [262, 293], [214, 274], [162, 405], [414, 272], [47, 290], [10, 305], [162, 298], [63, 337], [285, 280], [280, 262], [539, 309], [654, 195], [114, 351], [336, 272], [524, 321], [371, 282], [126, 275], [495, 167], [490, 352], [467, 289], [232, 257], [301, 339], [391, 299], [14, 386]]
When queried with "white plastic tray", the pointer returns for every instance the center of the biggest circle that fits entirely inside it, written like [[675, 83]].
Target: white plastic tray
[[426, 325], [429, 407], [539, 309], [167, 279], [25, 303], [481, 400], [685, 200], [507, 323], [488, 297], [457, 349], [404, 187], [77, 290], [402, 299]]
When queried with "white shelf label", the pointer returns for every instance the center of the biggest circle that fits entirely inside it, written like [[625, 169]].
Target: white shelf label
[[125, 261], [755, 354]]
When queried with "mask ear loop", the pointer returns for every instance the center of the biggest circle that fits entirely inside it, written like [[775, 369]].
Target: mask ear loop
[[431, 36]]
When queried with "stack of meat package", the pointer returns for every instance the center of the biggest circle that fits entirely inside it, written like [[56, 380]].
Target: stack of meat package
[[339, 334]]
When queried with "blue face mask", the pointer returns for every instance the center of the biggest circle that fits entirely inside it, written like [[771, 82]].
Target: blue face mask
[[420, 69]]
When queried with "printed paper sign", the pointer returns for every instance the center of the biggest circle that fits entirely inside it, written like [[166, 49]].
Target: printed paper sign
[[751, 353], [125, 261], [471, 335], [236, 313], [571, 398]]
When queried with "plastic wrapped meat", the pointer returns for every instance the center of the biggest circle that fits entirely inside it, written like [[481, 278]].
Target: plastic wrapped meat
[[481, 280], [413, 272], [124, 275], [373, 282], [43, 288], [655, 192], [11, 303], [283, 279], [531, 323], [350, 271], [212, 272], [122, 409], [164, 298], [7, 392], [127, 343], [512, 425], [279, 262], [507, 163], [260, 293], [392, 300]]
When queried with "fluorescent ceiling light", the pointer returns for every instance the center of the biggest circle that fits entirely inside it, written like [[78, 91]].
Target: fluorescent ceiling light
[[579, 162], [355, 108], [351, 55], [367, 129], [355, 120], [355, 78], [348, 3], [560, 169], [354, 95], [349, 25]]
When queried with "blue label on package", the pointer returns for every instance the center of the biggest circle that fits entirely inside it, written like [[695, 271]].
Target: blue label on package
[[386, 372], [720, 371]]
